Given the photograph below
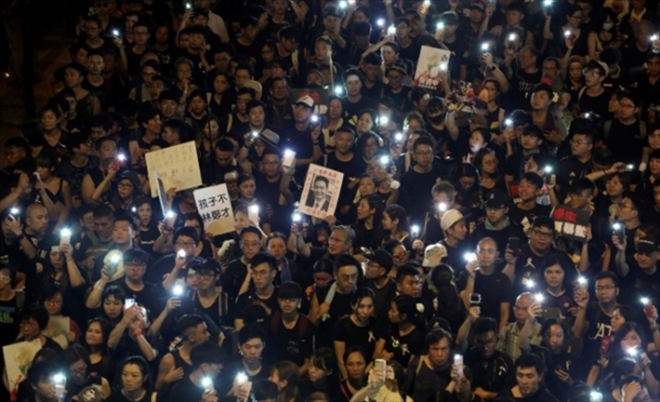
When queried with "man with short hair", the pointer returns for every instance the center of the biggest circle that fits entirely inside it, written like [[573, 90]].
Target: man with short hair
[[525, 330], [626, 136], [334, 302], [640, 277], [492, 370], [529, 373], [593, 98], [340, 242], [580, 163], [303, 136], [237, 270], [258, 287], [171, 268], [207, 359], [354, 102], [531, 141], [408, 282], [379, 265], [492, 286], [96, 243], [276, 192], [175, 364], [523, 75], [527, 209]]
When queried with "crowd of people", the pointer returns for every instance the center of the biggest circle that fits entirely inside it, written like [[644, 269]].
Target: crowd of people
[[495, 237]]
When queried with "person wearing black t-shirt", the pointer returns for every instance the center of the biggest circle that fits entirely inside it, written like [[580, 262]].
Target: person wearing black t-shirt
[[270, 192], [640, 277], [454, 227], [498, 225], [207, 360], [527, 209], [593, 98], [522, 75], [262, 273], [626, 135], [530, 143], [493, 286], [245, 44], [372, 87], [237, 270], [529, 373], [291, 334], [580, 163], [354, 102]]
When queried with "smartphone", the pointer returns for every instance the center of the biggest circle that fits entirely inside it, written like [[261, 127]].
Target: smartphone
[[475, 299], [59, 381], [458, 362], [65, 236], [253, 213], [118, 162], [618, 230], [380, 364], [129, 303], [514, 245], [289, 156], [648, 307]]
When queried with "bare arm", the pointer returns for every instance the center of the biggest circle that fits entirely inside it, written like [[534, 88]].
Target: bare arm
[[504, 314], [547, 32], [450, 123], [340, 348]]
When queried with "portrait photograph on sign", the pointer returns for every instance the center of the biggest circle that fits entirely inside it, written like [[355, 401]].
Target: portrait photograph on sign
[[321, 192]]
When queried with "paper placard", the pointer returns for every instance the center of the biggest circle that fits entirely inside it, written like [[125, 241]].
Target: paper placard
[[321, 192], [214, 206], [570, 222], [431, 65], [18, 358], [178, 166]]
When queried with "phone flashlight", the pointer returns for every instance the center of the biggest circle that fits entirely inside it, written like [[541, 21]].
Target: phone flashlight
[[508, 123], [458, 362], [470, 257], [343, 5], [66, 232], [121, 157], [254, 209], [442, 206], [59, 379], [530, 284], [616, 226], [339, 90], [414, 230], [539, 297], [207, 383], [384, 159], [255, 134], [383, 120], [115, 32], [645, 300], [241, 378], [14, 211], [547, 3], [115, 258], [444, 66], [633, 352], [188, 6], [485, 47], [169, 214], [181, 254], [630, 166], [512, 37], [133, 209], [288, 153], [547, 169], [398, 137], [582, 280], [567, 34], [314, 118], [440, 26], [391, 30], [595, 396], [296, 217], [380, 22], [427, 3], [586, 115], [654, 37], [177, 290]]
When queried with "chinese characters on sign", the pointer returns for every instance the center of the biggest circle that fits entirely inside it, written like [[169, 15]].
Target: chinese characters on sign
[[570, 222], [178, 167], [432, 66], [214, 207], [321, 192]]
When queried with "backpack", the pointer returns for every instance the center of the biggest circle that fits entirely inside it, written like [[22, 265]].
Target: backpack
[[608, 126], [303, 322]]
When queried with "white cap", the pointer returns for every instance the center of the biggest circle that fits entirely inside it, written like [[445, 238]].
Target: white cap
[[450, 218], [433, 255]]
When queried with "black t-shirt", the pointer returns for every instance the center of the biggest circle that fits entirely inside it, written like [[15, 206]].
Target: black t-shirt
[[384, 297], [571, 168], [423, 385], [339, 308], [352, 110], [403, 347], [542, 395], [295, 344], [625, 141], [352, 335], [184, 390], [233, 277], [9, 316], [420, 184], [493, 374], [494, 289], [119, 397], [599, 327], [530, 266], [268, 193], [598, 104], [521, 84], [228, 374], [525, 218], [251, 297]]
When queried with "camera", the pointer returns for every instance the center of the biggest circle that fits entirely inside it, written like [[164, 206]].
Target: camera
[[475, 299]]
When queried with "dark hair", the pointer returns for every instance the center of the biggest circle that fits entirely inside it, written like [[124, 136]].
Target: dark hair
[[581, 185], [605, 275], [360, 293], [529, 360], [346, 260], [144, 369], [407, 305], [289, 372], [251, 331], [395, 211], [627, 327], [251, 229], [36, 312], [533, 178], [74, 354], [324, 265], [188, 321], [206, 352], [484, 325], [544, 222], [325, 359], [436, 335], [449, 301], [264, 258], [549, 322], [40, 371], [114, 291], [188, 232]]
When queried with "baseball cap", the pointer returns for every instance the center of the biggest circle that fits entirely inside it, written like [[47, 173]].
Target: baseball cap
[[289, 290], [497, 199], [478, 5], [449, 218], [433, 255], [647, 245], [598, 65], [305, 100], [207, 264], [381, 257]]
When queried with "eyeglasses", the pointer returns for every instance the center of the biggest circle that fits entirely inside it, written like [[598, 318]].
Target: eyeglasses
[[541, 234], [593, 72], [576, 142], [135, 266], [204, 275], [125, 185], [185, 244]]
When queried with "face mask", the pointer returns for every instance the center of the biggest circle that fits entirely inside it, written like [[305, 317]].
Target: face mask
[[608, 25]]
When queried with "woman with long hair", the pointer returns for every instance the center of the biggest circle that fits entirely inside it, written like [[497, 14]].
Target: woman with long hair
[[76, 361], [95, 342], [358, 328], [406, 331], [53, 301], [287, 376], [447, 303], [333, 120], [223, 93], [395, 224], [367, 228], [146, 225], [486, 163], [287, 269], [323, 375]]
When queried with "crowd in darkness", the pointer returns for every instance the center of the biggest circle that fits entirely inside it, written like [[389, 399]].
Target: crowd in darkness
[[439, 272]]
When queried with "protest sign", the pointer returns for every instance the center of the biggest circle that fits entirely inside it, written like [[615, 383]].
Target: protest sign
[[321, 192], [432, 65], [214, 207], [18, 358], [570, 222], [177, 166]]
